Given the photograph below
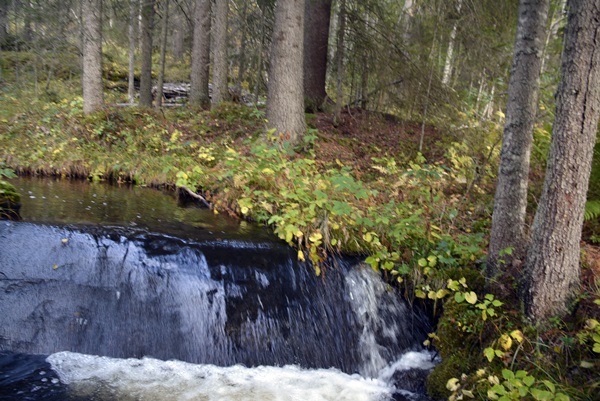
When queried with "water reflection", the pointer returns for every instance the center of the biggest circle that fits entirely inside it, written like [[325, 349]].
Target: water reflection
[[81, 202]]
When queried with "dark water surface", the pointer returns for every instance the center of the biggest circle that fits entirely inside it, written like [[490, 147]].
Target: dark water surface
[[56, 201]]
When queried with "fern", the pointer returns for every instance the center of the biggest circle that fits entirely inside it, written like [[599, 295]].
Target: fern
[[592, 210]]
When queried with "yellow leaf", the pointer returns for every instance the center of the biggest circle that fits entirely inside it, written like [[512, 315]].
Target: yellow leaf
[[315, 237], [244, 209], [301, 256], [55, 266], [452, 384], [505, 342], [471, 297], [517, 335]]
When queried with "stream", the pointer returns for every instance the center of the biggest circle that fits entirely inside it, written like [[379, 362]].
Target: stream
[[119, 293]]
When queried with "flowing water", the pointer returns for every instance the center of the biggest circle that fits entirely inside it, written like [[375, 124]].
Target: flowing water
[[114, 293]]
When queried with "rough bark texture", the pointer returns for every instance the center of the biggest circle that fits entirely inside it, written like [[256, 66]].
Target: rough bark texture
[[552, 270], [220, 91], [510, 202], [163, 53], [316, 38], [93, 89], [199, 95], [339, 56], [285, 100], [134, 6], [146, 70]]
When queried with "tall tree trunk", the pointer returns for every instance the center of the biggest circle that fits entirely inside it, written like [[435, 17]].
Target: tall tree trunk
[[4, 4], [242, 53], [163, 53], [285, 100], [178, 33], [450, 52], [339, 57], [317, 16], [552, 270], [259, 61], [146, 70], [220, 91], [134, 7], [93, 90], [199, 95], [405, 19], [510, 202]]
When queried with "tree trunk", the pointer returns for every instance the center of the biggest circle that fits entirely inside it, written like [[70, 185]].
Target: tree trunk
[[163, 53], [4, 4], [199, 96], [259, 61], [93, 89], [339, 56], [220, 91], [552, 270], [285, 100], [146, 70], [510, 202], [450, 52], [178, 34], [316, 38], [242, 53], [134, 6]]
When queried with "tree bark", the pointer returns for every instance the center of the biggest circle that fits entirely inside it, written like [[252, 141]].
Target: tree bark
[[450, 52], [339, 57], [178, 34], [163, 53], [4, 4], [93, 89], [510, 202], [316, 38], [199, 96], [134, 6], [552, 271], [242, 53], [146, 69], [220, 91], [285, 100]]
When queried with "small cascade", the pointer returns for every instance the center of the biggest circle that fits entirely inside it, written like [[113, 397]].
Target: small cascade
[[127, 313]]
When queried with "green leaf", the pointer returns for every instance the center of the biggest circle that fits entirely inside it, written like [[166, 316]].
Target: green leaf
[[489, 353], [422, 262], [508, 374], [520, 374], [541, 395], [561, 397], [550, 385], [528, 380], [459, 297]]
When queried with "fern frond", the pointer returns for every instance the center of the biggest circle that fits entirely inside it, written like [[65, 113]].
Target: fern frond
[[592, 210]]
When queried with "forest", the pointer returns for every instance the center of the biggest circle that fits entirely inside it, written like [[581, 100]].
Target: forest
[[450, 144]]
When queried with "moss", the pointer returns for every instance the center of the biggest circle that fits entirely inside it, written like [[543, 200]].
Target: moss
[[454, 366], [458, 345]]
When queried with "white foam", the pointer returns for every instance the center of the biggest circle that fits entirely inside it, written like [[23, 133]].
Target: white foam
[[103, 378], [411, 360]]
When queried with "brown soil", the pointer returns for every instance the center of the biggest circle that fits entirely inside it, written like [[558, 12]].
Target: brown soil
[[363, 134]]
